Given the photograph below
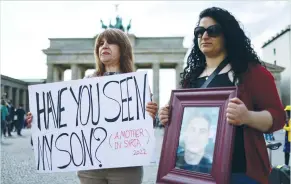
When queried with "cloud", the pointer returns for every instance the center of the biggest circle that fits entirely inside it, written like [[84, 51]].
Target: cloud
[[258, 25], [27, 25]]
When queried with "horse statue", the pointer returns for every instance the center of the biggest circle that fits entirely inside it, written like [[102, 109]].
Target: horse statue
[[118, 25]]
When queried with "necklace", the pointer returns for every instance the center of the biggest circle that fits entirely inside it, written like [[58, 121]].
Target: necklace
[[206, 74], [110, 73]]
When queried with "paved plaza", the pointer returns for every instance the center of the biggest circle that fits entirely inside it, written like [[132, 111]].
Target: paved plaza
[[17, 162]]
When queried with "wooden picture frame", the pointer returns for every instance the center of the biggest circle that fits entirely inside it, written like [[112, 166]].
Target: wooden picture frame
[[170, 171]]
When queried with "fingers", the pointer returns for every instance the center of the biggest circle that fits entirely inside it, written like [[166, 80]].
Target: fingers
[[236, 100], [231, 111], [164, 115], [152, 103], [230, 116], [231, 121], [232, 105], [152, 108], [164, 121], [164, 112]]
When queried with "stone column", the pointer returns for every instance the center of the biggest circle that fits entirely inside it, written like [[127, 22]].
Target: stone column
[[50, 73], [2, 90], [62, 74], [24, 100], [17, 102], [82, 72], [56, 74], [179, 69], [61, 71], [76, 72], [10, 93], [5, 91], [156, 82]]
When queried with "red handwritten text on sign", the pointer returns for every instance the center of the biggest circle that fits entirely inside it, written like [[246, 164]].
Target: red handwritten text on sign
[[130, 139]]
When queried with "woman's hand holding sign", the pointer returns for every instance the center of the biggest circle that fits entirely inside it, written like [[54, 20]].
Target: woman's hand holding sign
[[152, 109]]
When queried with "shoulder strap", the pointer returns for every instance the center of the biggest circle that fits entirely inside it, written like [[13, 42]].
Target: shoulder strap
[[216, 72]]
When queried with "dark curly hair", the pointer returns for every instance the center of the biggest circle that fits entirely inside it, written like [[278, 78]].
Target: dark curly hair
[[237, 44]]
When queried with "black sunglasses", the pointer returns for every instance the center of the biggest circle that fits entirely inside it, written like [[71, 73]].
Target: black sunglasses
[[212, 31]]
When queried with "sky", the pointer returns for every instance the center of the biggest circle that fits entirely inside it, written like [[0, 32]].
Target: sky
[[27, 25]]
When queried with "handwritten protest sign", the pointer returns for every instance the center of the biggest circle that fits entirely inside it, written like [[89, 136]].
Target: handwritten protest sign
[[92, 123]]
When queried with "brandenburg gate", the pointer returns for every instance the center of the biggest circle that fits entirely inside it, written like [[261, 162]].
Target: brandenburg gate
[[149, 52]]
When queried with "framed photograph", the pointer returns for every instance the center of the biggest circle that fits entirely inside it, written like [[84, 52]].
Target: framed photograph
[[198, 142]]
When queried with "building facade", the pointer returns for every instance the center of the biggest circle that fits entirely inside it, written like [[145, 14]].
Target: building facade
[[17, 90], [277, 51]]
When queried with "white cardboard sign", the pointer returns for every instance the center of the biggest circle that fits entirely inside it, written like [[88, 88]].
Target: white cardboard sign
[[92, 123]]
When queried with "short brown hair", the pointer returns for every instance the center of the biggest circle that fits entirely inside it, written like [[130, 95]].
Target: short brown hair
[[118, 37]]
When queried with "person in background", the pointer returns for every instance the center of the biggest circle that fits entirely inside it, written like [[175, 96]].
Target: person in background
[[287, 128], [10, 118], [28, 120], [20, 113], [4, 114], [219, 38], [114, 55]]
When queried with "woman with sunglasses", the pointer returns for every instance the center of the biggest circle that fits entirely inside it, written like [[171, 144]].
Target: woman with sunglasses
[[218, 38]]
